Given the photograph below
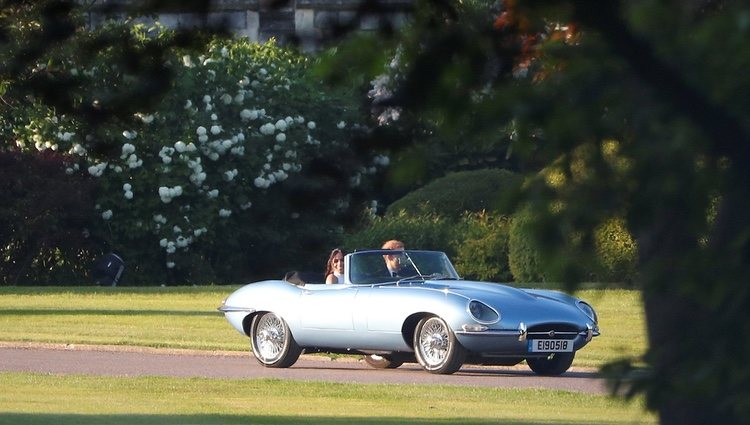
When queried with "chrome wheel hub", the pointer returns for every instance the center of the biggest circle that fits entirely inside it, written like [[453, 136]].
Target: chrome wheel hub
[[270, 338], [434, 342]]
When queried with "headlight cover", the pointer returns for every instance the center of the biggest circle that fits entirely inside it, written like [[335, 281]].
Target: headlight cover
[[482, 313], [588, 311]]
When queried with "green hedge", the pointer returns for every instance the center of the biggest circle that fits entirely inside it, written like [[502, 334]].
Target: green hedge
[[523, 255], [481, 247], [452, 195], [494, 247], [477, 243], [614, 261], [424, 231], [616, 252]]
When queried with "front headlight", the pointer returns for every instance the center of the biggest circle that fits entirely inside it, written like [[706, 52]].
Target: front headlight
[[482, 313], [588, 311]]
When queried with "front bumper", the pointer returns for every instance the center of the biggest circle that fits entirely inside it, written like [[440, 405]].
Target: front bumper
[[516, 341]]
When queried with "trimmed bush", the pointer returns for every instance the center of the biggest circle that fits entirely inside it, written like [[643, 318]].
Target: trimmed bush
[[616, 252], [614, 261], [524, 258], [423, 231], [460, 214], [477, 243], [481, 247], [452, 195]]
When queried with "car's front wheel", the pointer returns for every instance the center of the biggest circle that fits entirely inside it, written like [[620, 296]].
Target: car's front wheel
[[382, 362], [552, 365], [436, 347], [272, 343]]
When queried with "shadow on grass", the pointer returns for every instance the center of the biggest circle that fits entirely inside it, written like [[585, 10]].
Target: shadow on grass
[[91, 312], [80, 419]]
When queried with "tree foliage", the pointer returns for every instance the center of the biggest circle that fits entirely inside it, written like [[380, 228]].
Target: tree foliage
[[660, 85], [212, 163], [39, 40]]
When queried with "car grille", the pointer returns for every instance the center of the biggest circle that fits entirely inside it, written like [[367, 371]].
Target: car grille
[[553, 331]]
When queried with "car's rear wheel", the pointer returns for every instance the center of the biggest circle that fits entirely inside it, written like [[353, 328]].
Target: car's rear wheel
[[436, 347], [272, 343], [552, 365], [382, 362]]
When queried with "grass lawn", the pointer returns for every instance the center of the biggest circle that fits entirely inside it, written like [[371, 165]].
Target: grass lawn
[[186, 317], [89, 400]]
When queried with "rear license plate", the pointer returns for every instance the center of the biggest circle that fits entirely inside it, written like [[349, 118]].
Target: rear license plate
[[550, 345]]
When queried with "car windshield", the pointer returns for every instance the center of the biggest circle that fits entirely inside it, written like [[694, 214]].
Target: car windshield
[[368, 267]]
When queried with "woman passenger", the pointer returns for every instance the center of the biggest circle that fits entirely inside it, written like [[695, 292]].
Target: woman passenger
[[335, 267]]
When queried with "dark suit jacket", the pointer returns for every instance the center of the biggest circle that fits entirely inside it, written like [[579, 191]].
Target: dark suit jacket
[[404, 271]]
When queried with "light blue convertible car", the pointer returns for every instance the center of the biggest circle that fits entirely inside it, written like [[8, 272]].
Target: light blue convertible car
[[425, 314]]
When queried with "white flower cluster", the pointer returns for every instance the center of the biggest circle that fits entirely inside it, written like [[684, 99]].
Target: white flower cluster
[[381, 90], [171, 246], [187, 61], [98, 169], [267, 129], [145, 118], [130, 135], [234, 141], [159, 220], [198, 176], [251, 115], [230, 175], [65, 136], [128, 191], [42, 145], [168, 193], [180, 147], [77, 149], [165, 154], [128, 153]]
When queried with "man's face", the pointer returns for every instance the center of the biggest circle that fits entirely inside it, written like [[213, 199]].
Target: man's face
[[394, 261]]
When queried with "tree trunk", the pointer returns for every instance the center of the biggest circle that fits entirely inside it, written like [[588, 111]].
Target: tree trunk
[[684, 322]]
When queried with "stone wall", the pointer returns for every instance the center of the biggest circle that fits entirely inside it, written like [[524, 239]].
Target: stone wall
[[307, 21]]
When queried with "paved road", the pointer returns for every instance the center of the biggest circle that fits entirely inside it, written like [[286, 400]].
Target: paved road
[[128, 361]]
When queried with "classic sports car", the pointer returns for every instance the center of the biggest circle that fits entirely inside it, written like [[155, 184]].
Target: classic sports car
[[430, 316]]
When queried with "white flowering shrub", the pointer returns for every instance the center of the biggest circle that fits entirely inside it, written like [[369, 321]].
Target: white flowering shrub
[[244, 165]]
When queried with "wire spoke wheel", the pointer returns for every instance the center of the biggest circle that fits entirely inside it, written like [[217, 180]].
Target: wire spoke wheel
[[436, 347], [272, 342]]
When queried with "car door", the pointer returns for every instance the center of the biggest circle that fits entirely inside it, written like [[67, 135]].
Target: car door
[[326, 315], [379, 316]]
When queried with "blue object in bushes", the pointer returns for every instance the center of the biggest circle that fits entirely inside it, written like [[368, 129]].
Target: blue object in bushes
[[108, 270]]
